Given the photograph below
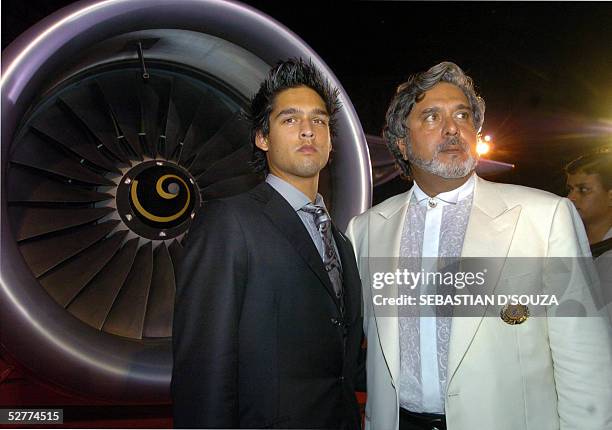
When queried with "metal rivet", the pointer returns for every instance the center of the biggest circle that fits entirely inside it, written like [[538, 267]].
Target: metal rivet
[[191, 180], [128, 180], [159, 163], [173, 188], [192, 215], [162, 234], [128, 217]]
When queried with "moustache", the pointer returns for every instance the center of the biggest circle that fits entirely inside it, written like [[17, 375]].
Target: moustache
[[452, 142]]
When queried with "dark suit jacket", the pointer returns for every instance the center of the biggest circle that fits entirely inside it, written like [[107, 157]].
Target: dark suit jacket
[[259, 340]]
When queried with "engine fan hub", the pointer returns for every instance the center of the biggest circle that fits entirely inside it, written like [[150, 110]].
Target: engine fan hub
[[157, 199]]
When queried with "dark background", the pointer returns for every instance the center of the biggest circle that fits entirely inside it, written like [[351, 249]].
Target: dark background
[[544, 69]]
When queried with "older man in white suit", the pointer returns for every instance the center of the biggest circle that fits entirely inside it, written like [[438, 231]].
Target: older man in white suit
[[512, 370]]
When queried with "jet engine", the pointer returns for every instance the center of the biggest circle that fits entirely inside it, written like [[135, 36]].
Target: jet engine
[[119, 118]]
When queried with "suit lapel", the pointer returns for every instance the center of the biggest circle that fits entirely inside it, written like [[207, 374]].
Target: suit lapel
[[350, 274], [284, 218], [489, 234]]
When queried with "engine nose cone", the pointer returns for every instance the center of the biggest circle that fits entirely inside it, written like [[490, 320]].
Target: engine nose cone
[[157, 199]]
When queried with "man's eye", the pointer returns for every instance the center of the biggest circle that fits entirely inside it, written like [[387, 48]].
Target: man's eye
[[463, 115], [432, 117], [319, 121], [584, 190], [289, 120]]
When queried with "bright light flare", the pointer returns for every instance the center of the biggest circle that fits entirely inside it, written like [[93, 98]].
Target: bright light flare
[[483, 145], [482, 148]]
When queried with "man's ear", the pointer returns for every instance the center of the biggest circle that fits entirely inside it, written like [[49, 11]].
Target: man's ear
[[261, 141]]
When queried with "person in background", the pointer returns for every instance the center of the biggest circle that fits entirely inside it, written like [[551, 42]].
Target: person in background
[[589, 181]]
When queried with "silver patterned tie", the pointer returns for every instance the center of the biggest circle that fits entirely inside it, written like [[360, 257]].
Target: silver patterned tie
[[330, 257]]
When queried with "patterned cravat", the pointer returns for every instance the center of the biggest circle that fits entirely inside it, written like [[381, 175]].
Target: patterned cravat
[[330, 258], [452, 234]]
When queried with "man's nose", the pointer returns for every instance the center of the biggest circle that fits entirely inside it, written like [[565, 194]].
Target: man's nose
[[573, 196], [306, 131], [450, 127]]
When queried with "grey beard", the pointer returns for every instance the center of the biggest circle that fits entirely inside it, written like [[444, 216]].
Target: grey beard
[[450, 170]]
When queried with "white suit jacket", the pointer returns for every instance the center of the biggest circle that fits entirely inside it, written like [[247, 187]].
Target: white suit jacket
[[546, 373]]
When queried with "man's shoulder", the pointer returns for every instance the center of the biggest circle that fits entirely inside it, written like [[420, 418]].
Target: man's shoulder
[[519, 194], [242, 205], [380, 212], [386, 207], [245, 199]]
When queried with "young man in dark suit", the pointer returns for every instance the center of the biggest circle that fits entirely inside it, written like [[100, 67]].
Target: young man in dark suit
[[267, 326]]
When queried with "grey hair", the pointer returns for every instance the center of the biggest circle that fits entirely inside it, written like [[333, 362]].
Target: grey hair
[[412, 91]]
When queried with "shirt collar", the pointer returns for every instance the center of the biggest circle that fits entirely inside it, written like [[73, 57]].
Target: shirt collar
[[294, 197], [450, 197]]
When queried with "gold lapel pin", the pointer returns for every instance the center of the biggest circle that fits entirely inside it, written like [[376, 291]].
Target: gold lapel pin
[[514, 314]]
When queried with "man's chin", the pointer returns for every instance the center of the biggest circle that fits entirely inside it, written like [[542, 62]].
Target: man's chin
[[309, 170], [455, 175], [453, 170]]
